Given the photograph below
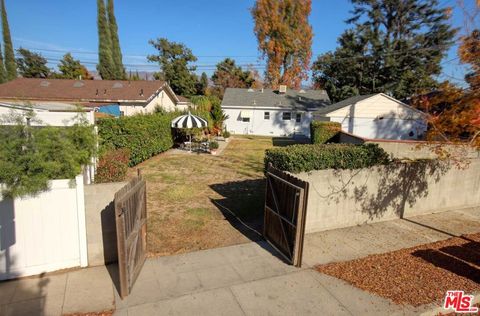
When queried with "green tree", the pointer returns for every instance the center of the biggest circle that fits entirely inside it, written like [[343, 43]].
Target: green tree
[[285, 38], [32, 65], [229, 75], [3, 73], [134, 77], [71, 68], [31, 156], [395, 46], [202, 84], [218, 116], [174, 59], [116, 51], [10, 65], [106, 66]]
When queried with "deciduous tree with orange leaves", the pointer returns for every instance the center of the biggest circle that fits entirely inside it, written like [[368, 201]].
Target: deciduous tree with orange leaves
[[285, 38], [454, 112]]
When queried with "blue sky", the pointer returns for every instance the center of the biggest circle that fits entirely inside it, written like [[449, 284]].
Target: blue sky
[[213, 29]]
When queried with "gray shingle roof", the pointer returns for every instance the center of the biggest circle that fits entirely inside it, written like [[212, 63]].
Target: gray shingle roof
[[303, 100], [343, 103]]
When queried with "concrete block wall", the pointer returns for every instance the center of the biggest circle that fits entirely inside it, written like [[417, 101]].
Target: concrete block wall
[[342, 198], [100, 221]]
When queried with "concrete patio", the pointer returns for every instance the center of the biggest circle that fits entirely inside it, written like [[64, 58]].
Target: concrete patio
[[247, 279]]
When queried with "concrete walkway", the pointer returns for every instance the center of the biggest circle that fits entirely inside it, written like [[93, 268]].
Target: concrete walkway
[[246, 279]]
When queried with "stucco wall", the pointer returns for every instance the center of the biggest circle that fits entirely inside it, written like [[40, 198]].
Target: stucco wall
[[162, 100], [100, 220], [386, 128], [342, 198], [380, 117], [43, 118], [275, 126]]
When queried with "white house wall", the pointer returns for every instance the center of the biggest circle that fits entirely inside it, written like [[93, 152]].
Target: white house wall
[[380, 117], [43, 233], [52, 118], [275, 126], [388, 128], [162, 100], [375, 106]]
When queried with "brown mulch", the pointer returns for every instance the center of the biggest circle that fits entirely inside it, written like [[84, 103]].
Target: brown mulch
[[418, 275], [104, 313]]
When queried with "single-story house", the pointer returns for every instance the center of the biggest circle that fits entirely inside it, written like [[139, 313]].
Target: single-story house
[[114, 97], [375, 116], [270, 112]]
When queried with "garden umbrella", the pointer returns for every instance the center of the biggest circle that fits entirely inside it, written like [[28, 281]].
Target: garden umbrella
[[189, 121]]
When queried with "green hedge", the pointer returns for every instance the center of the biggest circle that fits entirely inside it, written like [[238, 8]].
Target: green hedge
[[144, 135], [298, 158], [321, 132], [32, 156]]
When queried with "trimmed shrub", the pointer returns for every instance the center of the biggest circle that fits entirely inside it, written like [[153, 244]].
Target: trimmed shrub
[[144, 135], [214, 145], [30, 156], [321, 132], [113, 166], [299, 158]]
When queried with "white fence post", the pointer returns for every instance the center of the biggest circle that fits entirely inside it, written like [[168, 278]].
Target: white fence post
[[82, 227]]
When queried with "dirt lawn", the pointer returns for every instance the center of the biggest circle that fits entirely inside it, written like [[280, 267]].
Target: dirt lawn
[[187, 195]]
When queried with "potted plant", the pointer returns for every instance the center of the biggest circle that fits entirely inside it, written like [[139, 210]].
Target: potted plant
[[213, 147], [226, 135]]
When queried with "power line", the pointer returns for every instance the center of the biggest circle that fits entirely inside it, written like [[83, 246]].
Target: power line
[[434, 47]]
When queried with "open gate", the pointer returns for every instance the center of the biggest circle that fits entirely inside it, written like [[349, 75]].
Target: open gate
[[285, 211], [131, 223]]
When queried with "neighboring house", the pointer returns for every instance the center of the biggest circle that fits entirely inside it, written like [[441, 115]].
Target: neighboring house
[[113, 97], [53, 114], [184, 102], [376, 116], [270, 112]]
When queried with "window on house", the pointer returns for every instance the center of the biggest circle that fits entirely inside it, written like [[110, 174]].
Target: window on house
[[122, 113], [286, 116], [298, 117], [245, 119], [266, 115]]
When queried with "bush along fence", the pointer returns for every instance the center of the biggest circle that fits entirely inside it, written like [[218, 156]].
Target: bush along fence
[[304, 158], [142, 136], [32, 156], [321, 132]]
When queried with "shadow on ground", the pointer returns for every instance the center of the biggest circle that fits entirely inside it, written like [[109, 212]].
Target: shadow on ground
[[242, 205], [462, 260]]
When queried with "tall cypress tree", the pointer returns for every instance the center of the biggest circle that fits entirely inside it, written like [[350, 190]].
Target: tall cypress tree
[[10, 65], [106, 66], [3, 73], [116, 51]]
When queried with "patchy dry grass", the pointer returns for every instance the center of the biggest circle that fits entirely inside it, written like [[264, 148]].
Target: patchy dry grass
[[183, 191]]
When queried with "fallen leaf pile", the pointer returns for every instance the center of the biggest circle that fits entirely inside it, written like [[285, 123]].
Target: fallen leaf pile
[[418, 275]]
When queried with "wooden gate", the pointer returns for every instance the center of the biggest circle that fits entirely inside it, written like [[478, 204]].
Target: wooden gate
[[131, 222], [285, 212]]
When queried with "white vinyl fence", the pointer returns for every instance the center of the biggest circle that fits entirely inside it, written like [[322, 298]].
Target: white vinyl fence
[[43, 233]]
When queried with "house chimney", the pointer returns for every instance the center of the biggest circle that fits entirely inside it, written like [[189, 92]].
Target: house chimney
[[282, 89]]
